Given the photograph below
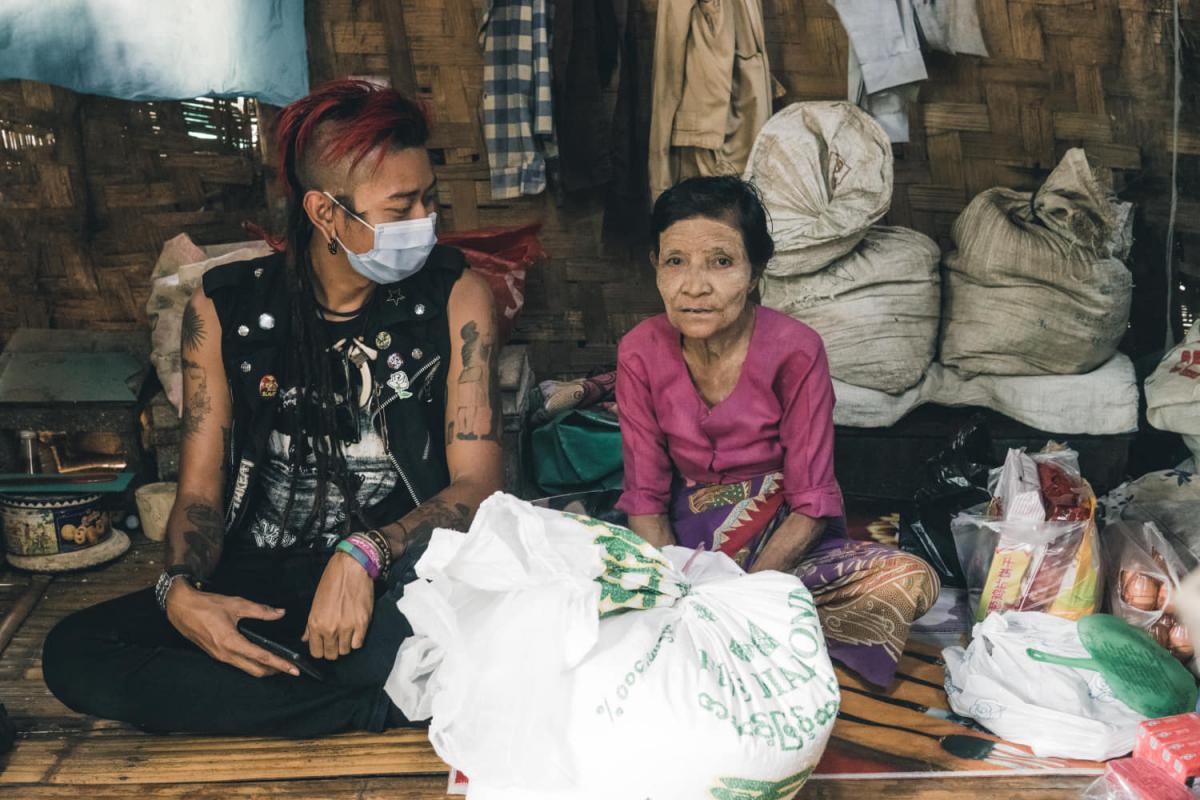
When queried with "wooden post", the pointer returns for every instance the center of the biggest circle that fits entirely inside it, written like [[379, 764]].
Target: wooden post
[[395, 35]]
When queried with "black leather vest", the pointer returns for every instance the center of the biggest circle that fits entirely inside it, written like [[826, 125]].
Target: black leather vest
[[409, 326]]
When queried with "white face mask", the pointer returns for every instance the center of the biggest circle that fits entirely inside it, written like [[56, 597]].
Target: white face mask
[[400, 248]]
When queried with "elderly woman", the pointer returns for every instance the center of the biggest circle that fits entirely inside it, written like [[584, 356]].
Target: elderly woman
[[727, 428]]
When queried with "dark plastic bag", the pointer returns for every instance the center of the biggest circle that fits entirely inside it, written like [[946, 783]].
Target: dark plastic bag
[[955, 479]]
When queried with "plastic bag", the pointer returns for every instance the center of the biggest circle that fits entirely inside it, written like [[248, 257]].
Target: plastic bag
[[1058, 711], [1135, 779], [501, 255], [1144, 574], [1036, 547], [955, 479], [561, 657]]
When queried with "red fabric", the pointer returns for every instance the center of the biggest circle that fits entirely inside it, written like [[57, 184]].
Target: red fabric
[[501, 255]]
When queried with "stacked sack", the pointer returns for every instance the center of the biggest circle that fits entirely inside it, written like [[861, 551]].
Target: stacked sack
[[1173, 392], [824, 170], [1037, 285]]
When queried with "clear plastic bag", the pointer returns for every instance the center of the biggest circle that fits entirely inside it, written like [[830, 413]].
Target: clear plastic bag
[[1135, 779], [1144, 573], [1035, 546]]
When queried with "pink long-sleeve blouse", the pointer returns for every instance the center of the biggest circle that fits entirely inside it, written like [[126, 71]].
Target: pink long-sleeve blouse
[[779, 417]]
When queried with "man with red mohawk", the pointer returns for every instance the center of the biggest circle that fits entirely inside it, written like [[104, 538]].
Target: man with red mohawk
[[340, 403]]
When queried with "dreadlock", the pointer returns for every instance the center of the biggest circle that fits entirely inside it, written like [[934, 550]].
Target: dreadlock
[[320, 136]]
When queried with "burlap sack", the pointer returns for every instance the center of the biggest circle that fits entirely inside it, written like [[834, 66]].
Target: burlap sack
[[876, 308], [825, 174], [1037, 285]]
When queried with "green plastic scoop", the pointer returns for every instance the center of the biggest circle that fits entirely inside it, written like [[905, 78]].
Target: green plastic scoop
[[1141, 674]]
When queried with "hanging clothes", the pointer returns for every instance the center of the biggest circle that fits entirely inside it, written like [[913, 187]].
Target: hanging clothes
[[518, 117], [712, 89], [885, 61], [585, 56]]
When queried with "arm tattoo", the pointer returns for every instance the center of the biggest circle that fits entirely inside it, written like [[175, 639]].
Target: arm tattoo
[[419, 525], [479, 390], [192, 333], [196, 408], [198, 543]]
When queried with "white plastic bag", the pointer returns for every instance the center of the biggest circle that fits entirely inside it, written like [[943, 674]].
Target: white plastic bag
[[562, 657], [1060, 712]]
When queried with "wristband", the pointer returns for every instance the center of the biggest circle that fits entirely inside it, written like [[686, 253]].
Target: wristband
[[360, 556], [167, 579], [385, 547], [369, 549]]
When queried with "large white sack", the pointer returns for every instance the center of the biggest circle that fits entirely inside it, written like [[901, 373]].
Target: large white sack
[[877, 308], [824, 170], [564, 658], [1060, 712], [1173, 390], [1036, 285], [1098, 403]]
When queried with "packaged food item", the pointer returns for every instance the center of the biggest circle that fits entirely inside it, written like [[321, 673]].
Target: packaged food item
[[1036, 547], [1143, 577], [1135, 779], [1172, 744]]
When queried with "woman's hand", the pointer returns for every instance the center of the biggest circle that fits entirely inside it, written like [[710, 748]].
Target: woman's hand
[[341, 609], [785, 549], [654, 528], [210, 622]]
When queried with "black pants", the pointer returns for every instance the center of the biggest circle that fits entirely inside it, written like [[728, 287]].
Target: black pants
[[123, 660]]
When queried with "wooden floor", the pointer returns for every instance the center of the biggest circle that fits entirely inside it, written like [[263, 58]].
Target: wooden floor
[[61, 754]]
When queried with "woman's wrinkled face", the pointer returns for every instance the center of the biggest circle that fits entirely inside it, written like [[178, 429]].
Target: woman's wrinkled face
[[703, 275]]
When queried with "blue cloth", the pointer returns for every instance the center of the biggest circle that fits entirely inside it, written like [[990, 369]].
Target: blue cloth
[[518, 121], [138, 50]]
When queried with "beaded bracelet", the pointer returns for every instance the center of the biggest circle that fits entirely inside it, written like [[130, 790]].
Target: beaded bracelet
[[380, 541], [361, 556], [371, 549]]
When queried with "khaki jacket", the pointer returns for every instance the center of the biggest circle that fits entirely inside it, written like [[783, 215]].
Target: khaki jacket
[[712, 89]]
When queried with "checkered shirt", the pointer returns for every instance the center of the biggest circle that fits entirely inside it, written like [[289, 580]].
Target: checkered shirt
[[518, 125]]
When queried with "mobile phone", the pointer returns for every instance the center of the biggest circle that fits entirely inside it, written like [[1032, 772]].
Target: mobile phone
[[269, 636]]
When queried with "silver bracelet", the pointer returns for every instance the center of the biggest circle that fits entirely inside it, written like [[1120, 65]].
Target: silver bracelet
[[165, 581]]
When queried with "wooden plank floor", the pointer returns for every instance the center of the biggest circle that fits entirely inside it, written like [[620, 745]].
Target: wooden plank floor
[[61, 754]]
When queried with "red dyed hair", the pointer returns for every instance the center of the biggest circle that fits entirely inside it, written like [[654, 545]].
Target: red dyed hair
[[363, 116]]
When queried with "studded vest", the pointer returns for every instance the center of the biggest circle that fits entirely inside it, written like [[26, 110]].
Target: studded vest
[[409, 329]]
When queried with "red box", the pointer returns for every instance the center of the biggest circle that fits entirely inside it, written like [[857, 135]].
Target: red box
[[1180, 759], [1153, 734]]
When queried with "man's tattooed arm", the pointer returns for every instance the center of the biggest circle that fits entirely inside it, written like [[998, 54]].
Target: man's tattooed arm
[[192, 333], [196, 527], [415, 530], [196, 540], [198, 405], [479, 413]]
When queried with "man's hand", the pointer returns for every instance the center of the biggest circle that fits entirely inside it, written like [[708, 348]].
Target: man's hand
[[210, 621], [341, 609]]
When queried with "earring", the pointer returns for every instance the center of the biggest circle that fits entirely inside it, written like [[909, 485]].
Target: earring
[[333, 247]]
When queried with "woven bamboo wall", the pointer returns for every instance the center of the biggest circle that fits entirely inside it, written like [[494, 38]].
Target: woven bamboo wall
[[91, 187], [84, 214], [1062, 73]]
